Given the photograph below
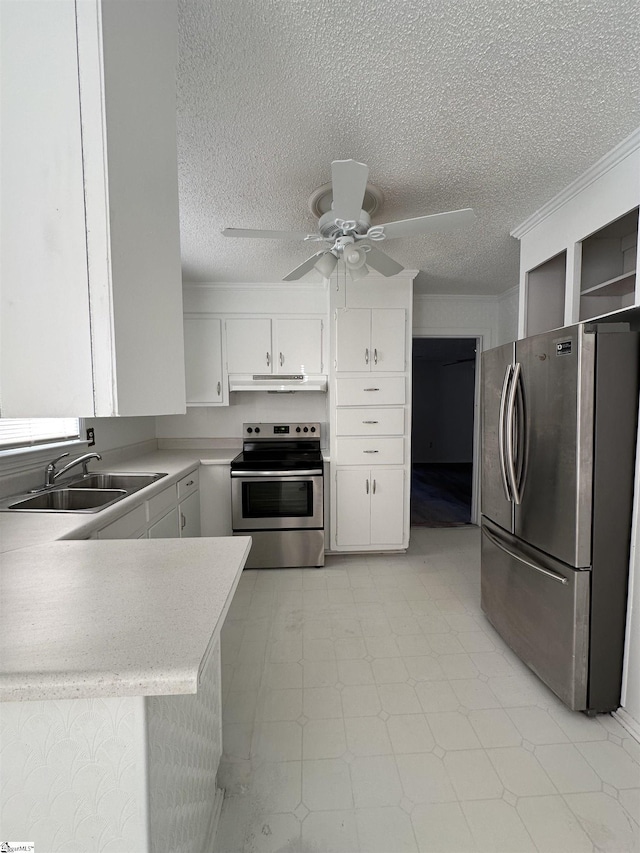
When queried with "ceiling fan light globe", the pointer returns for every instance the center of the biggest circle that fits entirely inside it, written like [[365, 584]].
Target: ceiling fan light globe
[[354, 256], [326, 264], [359, 272]]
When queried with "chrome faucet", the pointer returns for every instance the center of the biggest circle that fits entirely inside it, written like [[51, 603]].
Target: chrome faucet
[[52, 474]]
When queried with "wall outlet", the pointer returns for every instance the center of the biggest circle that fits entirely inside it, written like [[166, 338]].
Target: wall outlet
[[91, 437]]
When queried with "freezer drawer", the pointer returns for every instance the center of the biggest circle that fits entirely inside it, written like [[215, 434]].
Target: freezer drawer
[[541, 609]]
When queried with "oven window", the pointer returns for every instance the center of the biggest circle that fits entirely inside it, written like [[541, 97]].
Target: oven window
[[277, 499]]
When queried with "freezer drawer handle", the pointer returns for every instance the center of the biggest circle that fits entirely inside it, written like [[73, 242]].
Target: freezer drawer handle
[[548, 572]]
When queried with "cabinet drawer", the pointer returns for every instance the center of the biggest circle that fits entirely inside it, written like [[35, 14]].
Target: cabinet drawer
[[189, 484], [162, 503], [126, 527], [370, 451], [370, 391], [370, 422]]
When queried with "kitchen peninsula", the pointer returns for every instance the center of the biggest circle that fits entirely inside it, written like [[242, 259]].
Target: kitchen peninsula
[[110, 691]]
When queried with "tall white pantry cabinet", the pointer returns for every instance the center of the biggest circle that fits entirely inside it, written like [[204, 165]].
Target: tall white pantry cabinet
[[91, 302], [370, 413]]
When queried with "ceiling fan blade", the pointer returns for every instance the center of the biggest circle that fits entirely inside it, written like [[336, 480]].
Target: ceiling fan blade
[[382, 262], [349, 181], [428, 224], [264, 235], [298, 272]]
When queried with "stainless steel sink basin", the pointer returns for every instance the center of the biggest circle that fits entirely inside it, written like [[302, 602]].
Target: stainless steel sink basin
[[104, 480], [69, 500]]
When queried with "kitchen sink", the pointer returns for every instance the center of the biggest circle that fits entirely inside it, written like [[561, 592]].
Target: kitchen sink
[[69, 500], [103, 480]]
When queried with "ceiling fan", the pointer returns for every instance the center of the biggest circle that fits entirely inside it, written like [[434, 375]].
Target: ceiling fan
[[346, 227]]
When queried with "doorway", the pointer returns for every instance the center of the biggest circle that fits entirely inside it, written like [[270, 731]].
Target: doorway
[[443, 431]]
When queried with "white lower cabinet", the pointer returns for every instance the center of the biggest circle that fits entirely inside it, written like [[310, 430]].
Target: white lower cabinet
[[369, 507], [170, 514], [189, 512], [167, 527]]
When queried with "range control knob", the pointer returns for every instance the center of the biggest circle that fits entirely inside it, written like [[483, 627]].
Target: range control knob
[[257, 429], [249, 429], [306, 429], [313, 429], [298, 429]]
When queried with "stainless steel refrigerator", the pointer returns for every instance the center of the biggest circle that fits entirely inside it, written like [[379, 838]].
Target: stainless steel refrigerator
[[559, 418]]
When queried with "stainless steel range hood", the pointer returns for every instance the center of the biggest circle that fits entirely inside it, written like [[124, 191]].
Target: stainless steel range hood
[[277, 383]]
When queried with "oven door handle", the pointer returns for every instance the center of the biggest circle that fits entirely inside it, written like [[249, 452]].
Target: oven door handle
[[312, 472]]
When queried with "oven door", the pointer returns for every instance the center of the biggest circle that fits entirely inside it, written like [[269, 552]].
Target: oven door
[[271, 501]]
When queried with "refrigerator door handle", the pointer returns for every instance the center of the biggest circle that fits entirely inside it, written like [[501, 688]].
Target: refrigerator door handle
[[509, 430], [520, 436], [502, 431], [548, 572]]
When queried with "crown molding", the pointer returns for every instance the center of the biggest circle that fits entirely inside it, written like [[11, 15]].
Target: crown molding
[[255, 285], [615, 156]]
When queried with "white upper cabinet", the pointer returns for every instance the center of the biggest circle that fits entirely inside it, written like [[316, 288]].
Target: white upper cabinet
[[91, 307], [203, 361], [274, 345], [297, 346], [370, 340], [249, 345]]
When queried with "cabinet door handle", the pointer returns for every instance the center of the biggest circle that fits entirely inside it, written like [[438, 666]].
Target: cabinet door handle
[[371, 451], [375, 356], [268, 360], [369, 422], [367, 481], [183, 521], [374, 487], [371, 389], [366, 355], [281, 359], [190, 483], [218, 388]]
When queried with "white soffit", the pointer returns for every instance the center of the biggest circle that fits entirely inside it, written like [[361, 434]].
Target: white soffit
[[492, 105]]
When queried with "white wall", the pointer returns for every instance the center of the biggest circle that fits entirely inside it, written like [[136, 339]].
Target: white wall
[[492, 318], [225, 422], [115, 438]]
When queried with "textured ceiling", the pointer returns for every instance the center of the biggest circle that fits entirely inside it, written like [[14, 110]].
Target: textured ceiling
[[474, 103]]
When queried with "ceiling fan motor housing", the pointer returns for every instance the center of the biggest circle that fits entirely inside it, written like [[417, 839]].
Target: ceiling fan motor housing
[[330, 230]]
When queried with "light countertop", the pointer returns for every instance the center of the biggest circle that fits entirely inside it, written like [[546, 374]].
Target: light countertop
[[115, 617], [24, 529], [111, 617]]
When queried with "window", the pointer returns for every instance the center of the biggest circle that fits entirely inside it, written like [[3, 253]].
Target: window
[[22, 433]]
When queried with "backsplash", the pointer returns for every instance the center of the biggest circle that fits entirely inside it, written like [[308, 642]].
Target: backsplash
[[225, 422]]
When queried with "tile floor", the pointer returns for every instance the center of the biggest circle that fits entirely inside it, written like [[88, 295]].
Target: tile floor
[[369, 706]]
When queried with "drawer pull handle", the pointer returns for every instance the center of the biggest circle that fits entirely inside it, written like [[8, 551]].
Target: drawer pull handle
[[190, 483], [370, 422], [371, 389], [371, 451]]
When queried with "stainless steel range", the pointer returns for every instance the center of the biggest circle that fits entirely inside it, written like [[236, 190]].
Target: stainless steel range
[[277, 494]]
